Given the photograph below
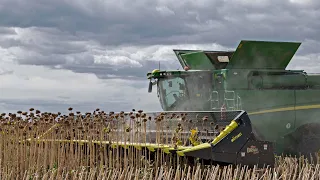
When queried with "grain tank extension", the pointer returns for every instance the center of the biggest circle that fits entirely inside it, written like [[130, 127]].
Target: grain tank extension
[[283, 105]]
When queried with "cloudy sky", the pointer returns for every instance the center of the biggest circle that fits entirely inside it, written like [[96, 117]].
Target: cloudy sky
[[95, 54]]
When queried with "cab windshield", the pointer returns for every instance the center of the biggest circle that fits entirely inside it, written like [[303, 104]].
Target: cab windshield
[[184, 93], [171, 90]]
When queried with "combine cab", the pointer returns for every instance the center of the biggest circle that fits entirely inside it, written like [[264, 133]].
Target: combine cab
[[283, 105]]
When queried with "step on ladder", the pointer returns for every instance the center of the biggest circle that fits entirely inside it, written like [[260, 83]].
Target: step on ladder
[[214, 99]]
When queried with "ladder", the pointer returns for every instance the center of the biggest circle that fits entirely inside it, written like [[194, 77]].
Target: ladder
[[230, 100], [239, 103]]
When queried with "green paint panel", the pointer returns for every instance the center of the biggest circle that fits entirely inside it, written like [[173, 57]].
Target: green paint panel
[[311, 98], [211, 58], [275, 122], [198, 60], [263, 55]]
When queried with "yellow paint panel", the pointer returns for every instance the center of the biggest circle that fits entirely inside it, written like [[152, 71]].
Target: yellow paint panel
[[291, 108], [225, 132], [194, 148], [139, 146], [151, 148], [236, 137]]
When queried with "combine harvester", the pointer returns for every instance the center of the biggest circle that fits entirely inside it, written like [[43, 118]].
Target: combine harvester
[[278, 109], [226, 107]]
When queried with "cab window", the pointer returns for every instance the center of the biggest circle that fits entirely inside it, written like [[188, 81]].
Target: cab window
[[172, 89]]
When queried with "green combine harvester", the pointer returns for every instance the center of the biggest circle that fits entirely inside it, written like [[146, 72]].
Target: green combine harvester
[[278, 109]]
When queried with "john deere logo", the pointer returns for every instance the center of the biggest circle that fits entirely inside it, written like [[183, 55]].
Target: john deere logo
[[236, 137], [252, 149]]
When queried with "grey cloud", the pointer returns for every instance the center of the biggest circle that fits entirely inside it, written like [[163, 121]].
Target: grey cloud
[[71, 34], [57, 50], [5, 71], [37, 59], [43, 40], [7, 31], [169, 22], [110, 72], [309, 63], [309, 47]]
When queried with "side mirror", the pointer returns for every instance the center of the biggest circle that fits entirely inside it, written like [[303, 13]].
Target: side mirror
[[150, 87]]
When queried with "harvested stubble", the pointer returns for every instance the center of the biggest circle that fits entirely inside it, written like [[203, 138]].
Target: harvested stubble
[[55, 146]]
